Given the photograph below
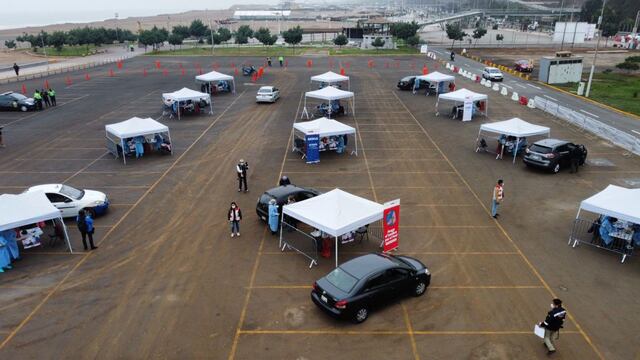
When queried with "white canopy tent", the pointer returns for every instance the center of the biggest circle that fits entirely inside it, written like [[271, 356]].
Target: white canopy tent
[[328, 93], [118, 132], [437, 78], [515, 127], [325, 128], [26, 209], [214, 76], [614, 201], [459, 96], [331, 78], [185, 94], [335, 213]]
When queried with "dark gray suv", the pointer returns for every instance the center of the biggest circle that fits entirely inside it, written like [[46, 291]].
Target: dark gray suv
[[552, 154]]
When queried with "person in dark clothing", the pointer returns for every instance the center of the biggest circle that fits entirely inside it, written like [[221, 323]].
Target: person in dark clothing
[[574, 156], [269, 60], [284, 181], [453, 56], [552, 324], [37, 97], [52, 96], [241, 170], [45, 97], [85, 225], [16, 68]]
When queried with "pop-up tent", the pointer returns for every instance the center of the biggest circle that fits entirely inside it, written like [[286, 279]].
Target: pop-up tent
[[437, 79], [331, 78], [215, 77], [515, 127], [458, 97], [182, 96], [28, 208], [325, 128], [335, 213], [330, 94], [615, 202], [118, 133]]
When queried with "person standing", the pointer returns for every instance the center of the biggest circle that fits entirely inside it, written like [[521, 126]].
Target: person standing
[[16, 68], [575, 155], [85, 226], [453, 56], [498, 195], [38, 99], [281, 60], [5, 254], [234, 215], [241, 170], [12, 244], [273, 216], [45, 97], [52, 96], [269, 60], [284, 181], [552, 325]]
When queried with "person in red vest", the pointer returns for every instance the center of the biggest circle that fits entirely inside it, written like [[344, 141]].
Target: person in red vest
[[498, 195]]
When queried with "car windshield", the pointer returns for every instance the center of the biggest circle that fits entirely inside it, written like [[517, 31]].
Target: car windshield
[[540, 149], [71, 192], [342, 280], [264, 91], [18, 96], [265, 198], [407, 78], [495, 71]]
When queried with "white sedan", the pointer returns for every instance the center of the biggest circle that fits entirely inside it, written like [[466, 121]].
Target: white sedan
[[70, 200], [491, 73], [268, 94]]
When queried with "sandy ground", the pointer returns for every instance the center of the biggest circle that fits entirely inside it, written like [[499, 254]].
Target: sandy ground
[[169, 282]]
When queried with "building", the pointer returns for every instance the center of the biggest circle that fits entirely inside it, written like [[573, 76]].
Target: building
[[262, 14]]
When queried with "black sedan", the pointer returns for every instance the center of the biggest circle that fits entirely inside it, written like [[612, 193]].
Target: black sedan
[[14, 101], [281, 195], [367, 282], [553, 154], [407, 82]]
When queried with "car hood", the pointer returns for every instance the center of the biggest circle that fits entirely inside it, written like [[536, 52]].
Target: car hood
[[91, 196], [29, 101]]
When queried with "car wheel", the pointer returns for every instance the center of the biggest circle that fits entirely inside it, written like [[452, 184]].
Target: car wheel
[[420, 288], [23, 108], [361, 315], [556, 168]]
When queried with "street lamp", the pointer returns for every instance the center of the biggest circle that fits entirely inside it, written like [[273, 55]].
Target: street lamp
[[117, 36], [595, 55]]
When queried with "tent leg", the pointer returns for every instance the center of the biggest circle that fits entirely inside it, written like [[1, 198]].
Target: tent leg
[[336, 251], [170, 143], [66, 234], [124, 157], [280, 240], [515, 150]]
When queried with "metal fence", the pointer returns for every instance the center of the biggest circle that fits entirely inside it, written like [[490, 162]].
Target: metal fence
[[587, 232], [292, 238], [587, 123]]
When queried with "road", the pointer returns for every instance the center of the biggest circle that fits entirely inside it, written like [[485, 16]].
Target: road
[[530, 89]]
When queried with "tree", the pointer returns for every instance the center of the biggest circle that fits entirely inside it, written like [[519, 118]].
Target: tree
[[377, 43], [404, 30], [10, 44], [213, 36], [182, 31], [631, 59], [57, 40], [224, 34], [455, 33], [478, 33], [175, 39], [413, 40], [341, 40], [264, 36], [293, 36], [628, 66], [243, 34], [197, 29]]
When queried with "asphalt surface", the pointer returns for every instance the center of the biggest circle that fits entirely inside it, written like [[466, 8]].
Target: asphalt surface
[[530, 89], [168, 282]]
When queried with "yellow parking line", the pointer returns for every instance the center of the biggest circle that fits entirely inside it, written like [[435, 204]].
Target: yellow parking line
[[390, 332]]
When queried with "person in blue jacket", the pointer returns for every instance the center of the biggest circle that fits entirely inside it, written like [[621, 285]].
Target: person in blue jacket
[[605, 228], [273, 216], [5, 255], [12, 244], [138, 141], [85, 225]]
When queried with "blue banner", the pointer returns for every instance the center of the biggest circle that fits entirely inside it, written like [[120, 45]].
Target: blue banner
[[313, 148]]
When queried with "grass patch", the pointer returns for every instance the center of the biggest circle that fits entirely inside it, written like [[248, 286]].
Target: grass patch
[[272, 51], [79, 50], [621, 91], [357, 51]]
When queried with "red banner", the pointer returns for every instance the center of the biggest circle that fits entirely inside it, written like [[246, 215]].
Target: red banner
[[390, 225]]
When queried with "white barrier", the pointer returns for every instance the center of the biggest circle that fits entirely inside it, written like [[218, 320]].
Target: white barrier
[[609, 133], [504, 91], [531, 104], [487, 83], [515, 96], [496, 87], [474, 77]]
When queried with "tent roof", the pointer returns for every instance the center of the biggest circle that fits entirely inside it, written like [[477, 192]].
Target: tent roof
[[615, 201], [24, 209], [436, 77], [324, 127], [185, 94], [515, 127], [461, 95], [335, 212], [213, 76], [136, 127], [329, 93], [329, 77]]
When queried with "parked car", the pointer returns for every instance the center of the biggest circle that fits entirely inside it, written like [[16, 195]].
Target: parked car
[[407, 82], [523, 66], [281, 194], [14, 101], [552, 154], [268, 94], [368, 282], [491, 73], [70, 200]]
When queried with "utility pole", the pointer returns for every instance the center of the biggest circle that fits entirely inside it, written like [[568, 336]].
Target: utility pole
[[117, 36], [212, 43], [595, 55], [44, 48], [564, 31]]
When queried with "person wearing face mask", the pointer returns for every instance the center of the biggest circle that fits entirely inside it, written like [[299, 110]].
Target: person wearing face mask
[[552, 325], [498, 195], [234, 215], [274, 216]]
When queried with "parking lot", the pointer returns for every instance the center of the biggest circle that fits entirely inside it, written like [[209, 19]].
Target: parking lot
[[168, 282]]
